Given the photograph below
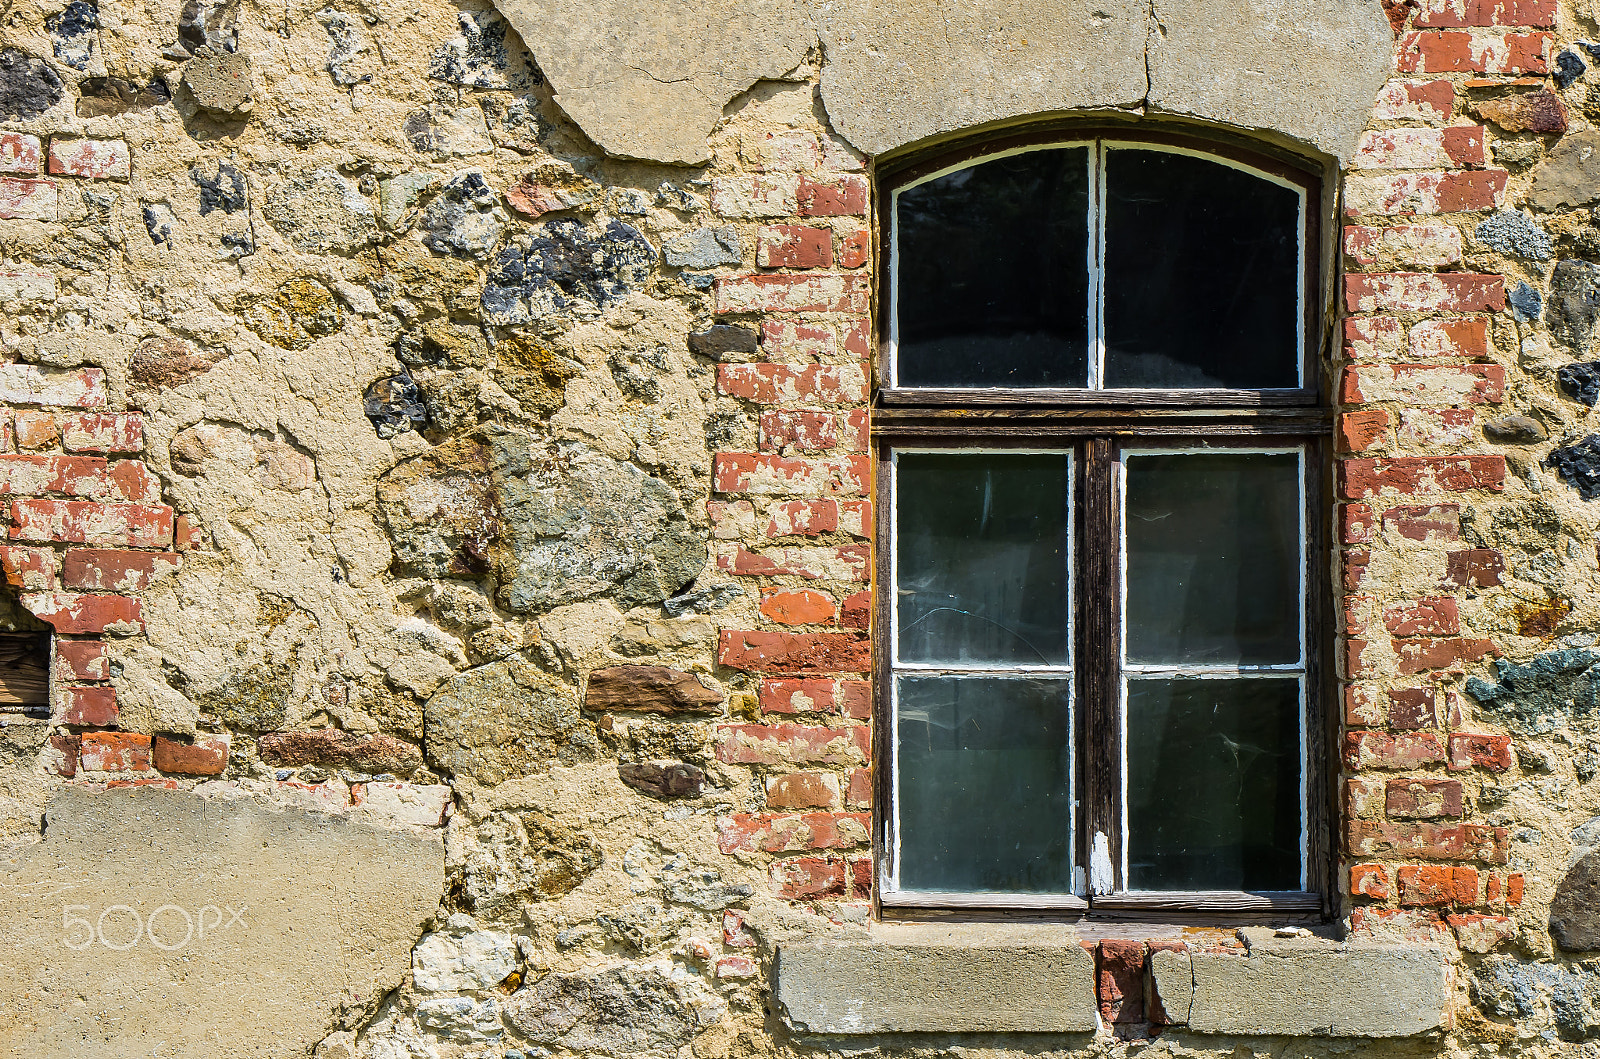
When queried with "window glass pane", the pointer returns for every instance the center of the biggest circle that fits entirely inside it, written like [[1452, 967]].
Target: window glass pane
[[1214, 784], [981, 554], [992, 277], [1202, 267], [985, 784], [1213, 558]]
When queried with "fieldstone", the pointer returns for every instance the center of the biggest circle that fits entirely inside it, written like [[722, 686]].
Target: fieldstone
[[28, 87], [1569, 174], [1554, 690], [505, 720], [442, 130], [515, 121], [478, 57], [675, 780], [513, 859], [533, 373], [335, 749], [551, 188], [1581, 382], [1540, 111], [448, 961], [1568, 69], [442, 511], [1515, 154], [703, 600], [394, 405], [649, 689], [1515, 430], [111, 96], [221, 82], [74, 31], [398, 194], [464, 219], [296, 314], [226, 191], [1574, 302], [159, 223], [208, 25], [162, 362], [721, 340], [321, 211], [1578, 465], [457, 1018], [622, 1011], [703, 248], [1575, 909], [327, 909], [1565, 998], [1513, 232], [650, 81], [1525, 302], [566, 268]]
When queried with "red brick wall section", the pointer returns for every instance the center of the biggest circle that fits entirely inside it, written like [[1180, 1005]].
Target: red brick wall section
[[793, 521], [1418, 371]]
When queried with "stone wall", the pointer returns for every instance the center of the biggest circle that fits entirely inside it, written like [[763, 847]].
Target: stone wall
[[443, 457]]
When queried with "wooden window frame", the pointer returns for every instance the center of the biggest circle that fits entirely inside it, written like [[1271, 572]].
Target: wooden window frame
[[1095, 425]]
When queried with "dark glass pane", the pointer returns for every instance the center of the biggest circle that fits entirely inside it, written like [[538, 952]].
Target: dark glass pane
[[1214, 784], [985, 778], [1201, 276], [993, 273], [1213, 558], [981, 555]]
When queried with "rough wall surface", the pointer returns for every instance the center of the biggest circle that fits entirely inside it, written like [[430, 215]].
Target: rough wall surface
[[384, 440]]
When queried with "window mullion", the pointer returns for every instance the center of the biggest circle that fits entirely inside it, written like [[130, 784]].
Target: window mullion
[[1100, 733]]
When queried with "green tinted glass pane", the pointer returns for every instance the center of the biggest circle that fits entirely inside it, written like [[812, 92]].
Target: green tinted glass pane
[[984, 769], [1214, 558], [981, 556], [1214, 784]]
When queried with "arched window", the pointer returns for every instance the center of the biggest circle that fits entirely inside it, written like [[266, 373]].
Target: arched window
[[1101, 507]]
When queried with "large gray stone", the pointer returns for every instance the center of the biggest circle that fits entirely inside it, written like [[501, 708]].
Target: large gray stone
[[1569, 174], [621, 1011], [1575, 909], [649, 80], [1307, 69], [1316, 989], [328, 909], [1574, 302], [321, 211], [959, 979], [505, 720]]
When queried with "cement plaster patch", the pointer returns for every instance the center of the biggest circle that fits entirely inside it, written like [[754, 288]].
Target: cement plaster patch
[[254, 925]]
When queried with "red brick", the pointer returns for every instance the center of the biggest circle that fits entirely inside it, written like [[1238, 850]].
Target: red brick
[[1372, 338], [1473, 568], [1452, 384], [1424, 192], [1447, 292], [803, 518], [82, 660], [102, 432], [87, 522], [1422, 799], [797, 341], [1461, 51], [802, 607], [66, 748], [1480, 933], [1492, 752], [92, 159], [1383, 750], [861, 876], [108, 570], [1458, 145], [798, 430], [783, 384], [1413, 708], [854, 432], [1460, 337], [804, 878], [114, 752], [86, 615], [855, 248], [804, 695], [1436, 429], [1419, 656], [1356, 611], [794, 246], [1360, 431], [1412, 475], [780, 652], [32, 569], [1434, 616], [1514, 889], [767, 475], [1412, 246], [186, 535], [1425, 841], [855, 699], [95, 707], [847, 563], [859, 793], [1369, 880], [856, 613], [31, 384], [1447, 14], [845, 196], [1357, 524], [1361, 706], [1424, 886], [1354, 563], [1354, 667], [1430, 101], [1424, 522], [27, 200], [782, 833], [814, 292], [1120, 971], [84, 476], [803, 790], [776, 744], [37, 430], [19, 153]]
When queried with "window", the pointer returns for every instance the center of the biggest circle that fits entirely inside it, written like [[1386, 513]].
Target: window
[[1101, 489]]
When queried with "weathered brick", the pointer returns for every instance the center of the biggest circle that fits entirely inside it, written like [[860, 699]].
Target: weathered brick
[[1446, 14], [1361, 431], [804, 695], [782, 384], [1425, 841], [1458, 145], [114, 752], [19, 153], [65, 748], [1354, 666], [82, 476], [1357, 524], [1413, 708], [792, 340], [794, 246], [1473, 568], [858, 795], [856, 610], [768, 195], [770, 833], [782, 652], [88, 522], [792, 150], [844, 196], [1357, 612], [1384, 750], [1362, 706], [1420, 656], [1369, 880], [103, 432], [1436, 428], [1452, 384], [855, 248], [71, 614], [1413, 798], [807, 878], [1462, 51], [1119, 969], [1423, 886], [1476, 932], [113, 570], [91, 159], [1459, 292], [186, 534], [798, 607], [803, 790], [798, 430], [1402, 247], [1492, 752], [803, 518], [1434, 616], [795, 744], [37, 430], [1414, 475], [1424, 522], [1429, 101], [27, 200], [812, 292], [854, 430], [847, 563], [33, 569], [765, 475], [206, 756], [1437, 339], [855, 699], [30, 384], [82, 660], [95, 707], [26, 285], [1368, 338], [1354, 565]]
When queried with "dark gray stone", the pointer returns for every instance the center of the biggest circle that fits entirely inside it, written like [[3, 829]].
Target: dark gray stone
[[702, 600], [225, 191], [1555, 690], [208, 25], [28, 87], [1525, 302], [464, 219], [395, 406], [1513, 232], [480, 57], [1565, 997], [1568, 69], [74, 33], [1575, 909], [321, 211], [1579, 466], [110, 96], [1515, 430], [1581, 382], [1574, 301], [675, 780], [160, 221], [568, 268], [719, 340], [622, 1011]]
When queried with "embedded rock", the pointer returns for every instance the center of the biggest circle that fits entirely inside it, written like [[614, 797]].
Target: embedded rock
[[1526, 303], [1575, 909], [515, 858], [463, 959], [623, 1011], [505, 720], [221, 82], [1574, 302], [1569, 174], [1555, 690], [1565, 998], [1515, 430], [1513, 232], [1540, 111], [551, 188], [649, 689], [479, 56], [1581, 382], [675, 780], [28, 87], [442, 511], [724, 341], [332, 748], [464, 219], [394, 405], [1578, 465], [703, 248], [567, 269], [262, 920], [110, 96], [321, 211], [73, 33], [446, 130], [533, 374]]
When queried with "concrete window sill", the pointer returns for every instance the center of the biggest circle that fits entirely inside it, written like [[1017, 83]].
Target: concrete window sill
[[988, 978]]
